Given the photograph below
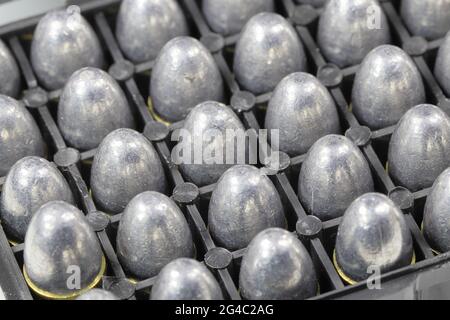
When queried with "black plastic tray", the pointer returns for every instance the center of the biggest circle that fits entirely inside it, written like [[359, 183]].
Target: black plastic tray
[[425, 279]]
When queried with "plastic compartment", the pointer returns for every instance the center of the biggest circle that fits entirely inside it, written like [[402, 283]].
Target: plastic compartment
[[424, 279]]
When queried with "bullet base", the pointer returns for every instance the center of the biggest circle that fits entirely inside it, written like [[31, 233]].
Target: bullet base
[[52, 296], [435, 252], [155, 115], [346, 278]]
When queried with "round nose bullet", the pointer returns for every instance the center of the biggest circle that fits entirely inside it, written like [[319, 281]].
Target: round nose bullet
[[419, 149], [426, 18], [436, 217], [303, 111], [125, 165], [30, 183], [9, 72], [372, 237], [63, 43], [19, 134], [350, 29], [228, 17], [152, 23], [62, 256], [442, 66], [387, 85], [185, 74], [334, 174], [210, 125], [244, 203], [152, 232], [98, 294], [186, 279], [92, 105], [268, 50], [277, 266]]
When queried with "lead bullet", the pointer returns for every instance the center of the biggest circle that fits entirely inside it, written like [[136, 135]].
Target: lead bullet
[[277, 266], [372, 237], [125, 165], [152, 23], [386, 85], [419, 150], [63, 43], [350, 29], [268, 50]]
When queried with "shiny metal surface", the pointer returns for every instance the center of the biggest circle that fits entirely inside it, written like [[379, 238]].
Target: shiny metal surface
[[442, 65], [303, 111], [30, 183], [92, 105], [185, 74], [207, 124], [277, 266], [373, 236], [63, 42], [386, 85], [334, 174], [152, 232], [244, 203], [228, 17], [419, 150], [314, 3], [59, 243], [10, 83], [268, 50], [426, 18], [144, 26], [125, 165], [349, 30], [98, 294], [436, 217], [19, 134], [186, 279]]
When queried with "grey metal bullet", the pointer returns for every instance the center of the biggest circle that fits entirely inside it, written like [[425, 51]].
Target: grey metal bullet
[[207, 125], [334, 174], [314, 3], [372, 237], [419, 150], [244, 203], [185, 74], [125, 165], [152, 232], [31, 183], [268, 50], [436, 217], [186, 279], [9, 72], [228, 17], [144, 26], [20, 135], [302, 110], [442, 65], [63, 42], [426, 18], [92, 105], [386, 85], [62, 255], [98, 294], [350, 29], [277, 266]]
